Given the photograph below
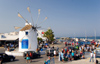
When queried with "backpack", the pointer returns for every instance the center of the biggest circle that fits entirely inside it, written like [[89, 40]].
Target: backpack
[[30, 54]]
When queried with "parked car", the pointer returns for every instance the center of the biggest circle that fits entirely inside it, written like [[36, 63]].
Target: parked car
[[4, 57], [34, 54], [50, 52]]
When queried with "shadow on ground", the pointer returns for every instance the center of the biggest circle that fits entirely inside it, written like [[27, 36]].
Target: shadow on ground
[[10, 61]]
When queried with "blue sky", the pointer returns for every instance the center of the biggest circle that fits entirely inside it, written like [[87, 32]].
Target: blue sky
[[65, 17]]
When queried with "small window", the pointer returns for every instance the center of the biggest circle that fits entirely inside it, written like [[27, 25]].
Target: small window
[[2, 36], [26, 33]]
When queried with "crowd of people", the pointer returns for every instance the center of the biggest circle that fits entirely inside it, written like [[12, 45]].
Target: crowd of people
[[69, 54]]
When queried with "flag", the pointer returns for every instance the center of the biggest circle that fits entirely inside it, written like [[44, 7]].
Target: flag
[[28, 9], [19, 15], [39, 11]]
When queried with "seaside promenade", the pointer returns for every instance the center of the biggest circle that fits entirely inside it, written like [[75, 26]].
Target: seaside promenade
[[21, 60]]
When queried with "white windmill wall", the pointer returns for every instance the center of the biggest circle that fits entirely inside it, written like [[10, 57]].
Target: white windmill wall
[[32, 40]]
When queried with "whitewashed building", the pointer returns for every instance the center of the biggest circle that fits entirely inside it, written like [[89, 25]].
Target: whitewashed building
[[11, 37], [40, 34]]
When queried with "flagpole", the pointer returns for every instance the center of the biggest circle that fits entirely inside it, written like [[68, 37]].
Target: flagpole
[[95, 34], [85, 35]]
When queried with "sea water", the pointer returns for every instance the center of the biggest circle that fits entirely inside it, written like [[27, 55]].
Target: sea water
[[97, 37]]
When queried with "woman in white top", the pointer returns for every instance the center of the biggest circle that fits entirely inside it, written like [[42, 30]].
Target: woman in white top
[[91, 56]]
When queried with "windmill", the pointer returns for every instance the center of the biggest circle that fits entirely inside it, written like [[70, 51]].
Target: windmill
[[28, 34]]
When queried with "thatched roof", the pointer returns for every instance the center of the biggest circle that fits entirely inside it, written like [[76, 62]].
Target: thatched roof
[[27, 27]]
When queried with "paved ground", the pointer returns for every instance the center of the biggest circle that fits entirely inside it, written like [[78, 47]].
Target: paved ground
[[21, 60], [2, 50]]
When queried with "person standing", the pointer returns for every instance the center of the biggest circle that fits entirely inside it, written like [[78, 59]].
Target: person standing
[[65, 43], [53, 47], [94, 55], [83, 51], [57, 48], [54, 53], [0, 59], [68, 55], [65, 56], [91, 56], [59, 58], [62, 56], [80, 48], [27, 58], [72, 55], [8, 49]]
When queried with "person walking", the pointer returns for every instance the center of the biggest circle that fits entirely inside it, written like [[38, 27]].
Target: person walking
[[57, 48], [48, 60], [72, 55], [91, 56], [27, 58], [68, 55]]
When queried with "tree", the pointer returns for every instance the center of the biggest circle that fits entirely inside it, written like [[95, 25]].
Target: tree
[[39, 40], [49, 34]]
